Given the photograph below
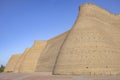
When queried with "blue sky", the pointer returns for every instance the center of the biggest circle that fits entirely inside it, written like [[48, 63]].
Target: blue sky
[[23, 21]]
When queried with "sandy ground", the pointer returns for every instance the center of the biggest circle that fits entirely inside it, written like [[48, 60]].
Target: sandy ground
[[47, 76]]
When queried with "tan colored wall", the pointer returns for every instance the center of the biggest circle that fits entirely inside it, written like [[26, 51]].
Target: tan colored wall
[[31, 59], [48, 56], [12, 62], [18, 66], [93, 44], [24, 58]]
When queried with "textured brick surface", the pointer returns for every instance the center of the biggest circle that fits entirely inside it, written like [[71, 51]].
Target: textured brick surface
[[48, 56], [19, 63], [12, 62], [93, 44], [31, 59]]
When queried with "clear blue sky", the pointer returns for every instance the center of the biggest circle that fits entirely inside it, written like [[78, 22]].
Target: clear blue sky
[[23, 21]]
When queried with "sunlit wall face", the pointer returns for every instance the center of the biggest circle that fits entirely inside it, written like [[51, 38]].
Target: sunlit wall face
[[23, 21]]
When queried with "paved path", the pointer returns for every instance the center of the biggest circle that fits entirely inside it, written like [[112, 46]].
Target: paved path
[[47, 76]]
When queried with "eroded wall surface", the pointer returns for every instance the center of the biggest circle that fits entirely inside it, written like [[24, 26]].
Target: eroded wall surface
[[12, 62], [31, 59], [48, 56], [93, 44], [18, 66]]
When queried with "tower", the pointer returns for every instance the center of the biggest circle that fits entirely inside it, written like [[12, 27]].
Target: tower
[[92, 45]]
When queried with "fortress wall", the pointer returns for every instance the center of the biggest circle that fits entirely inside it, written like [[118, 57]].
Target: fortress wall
[[48, 56], [91, 46], [20, 61], [31, 59], [23, 59], [12, 62]]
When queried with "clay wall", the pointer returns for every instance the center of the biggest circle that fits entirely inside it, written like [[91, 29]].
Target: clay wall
[[91, 46], [12, 62]]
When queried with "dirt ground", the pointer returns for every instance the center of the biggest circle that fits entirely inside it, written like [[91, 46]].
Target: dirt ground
[[47, 76]]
